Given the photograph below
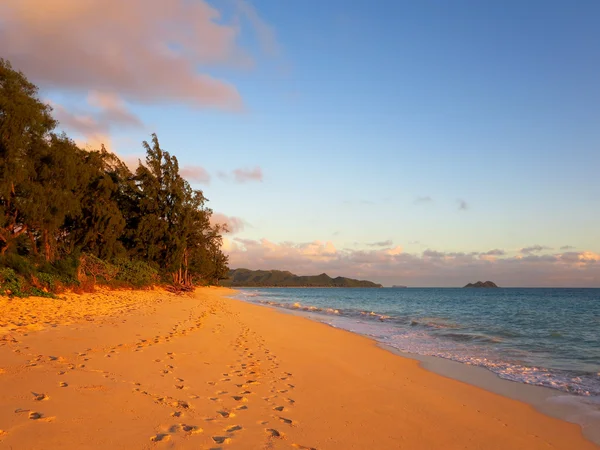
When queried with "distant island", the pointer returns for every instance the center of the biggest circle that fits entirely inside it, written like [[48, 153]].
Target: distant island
[[398, 286], [482, 284], [279, 278]]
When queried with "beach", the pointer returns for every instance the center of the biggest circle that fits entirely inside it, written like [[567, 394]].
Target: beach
[[152, 369]]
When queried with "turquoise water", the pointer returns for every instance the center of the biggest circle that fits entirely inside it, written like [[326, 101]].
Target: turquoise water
[[545, 337]]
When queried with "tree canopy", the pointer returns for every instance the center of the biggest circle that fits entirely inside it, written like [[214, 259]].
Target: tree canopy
[[59, 202]]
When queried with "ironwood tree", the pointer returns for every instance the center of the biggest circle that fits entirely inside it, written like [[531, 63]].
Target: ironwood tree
[[59, 202]]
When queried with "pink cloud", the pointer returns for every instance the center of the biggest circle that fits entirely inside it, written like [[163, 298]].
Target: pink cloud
[[431, 268], [195, 174], [104, 112], [234, 224], [246, 175], [145, 50]]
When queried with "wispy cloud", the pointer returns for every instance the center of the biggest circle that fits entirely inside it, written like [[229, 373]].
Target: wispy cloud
[[265, 33], [462, 205], [423, 200], [387, 243], [495, 252], [534, 249], [233, 224], [567, 247], [248, 175], [196, 174]]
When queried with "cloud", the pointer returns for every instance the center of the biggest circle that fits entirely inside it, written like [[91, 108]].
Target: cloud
[[234, 224], [103, 113], [534, 249], [495, 252], [387, 243], [423, 200], [247, 175], [462, 205], [195, 174], [431, 268], [567, 247], [147, 51], [264, 32]]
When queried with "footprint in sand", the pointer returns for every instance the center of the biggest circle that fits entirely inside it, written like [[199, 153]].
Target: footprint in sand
[[62, 384], [226, 414], [180, 404], [233, 428], [40, 397], [221, 439], [35, 415], [287, 421], [192, 429], [303, 447], [272, 432], [279, 408], [161, 437]]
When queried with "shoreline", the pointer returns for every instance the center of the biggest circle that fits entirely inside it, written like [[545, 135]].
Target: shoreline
[[550, 402], [156, 370]]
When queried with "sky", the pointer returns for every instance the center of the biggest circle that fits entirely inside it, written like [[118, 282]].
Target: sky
[[428, 143]]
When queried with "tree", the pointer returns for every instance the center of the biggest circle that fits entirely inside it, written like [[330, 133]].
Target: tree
[[25, 124], [96, 228], [61, 206]]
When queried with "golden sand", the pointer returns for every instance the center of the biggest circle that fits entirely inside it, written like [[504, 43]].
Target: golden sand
[[151, 369]]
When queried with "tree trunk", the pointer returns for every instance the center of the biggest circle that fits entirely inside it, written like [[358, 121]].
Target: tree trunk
[[33, 243], [47, 249]]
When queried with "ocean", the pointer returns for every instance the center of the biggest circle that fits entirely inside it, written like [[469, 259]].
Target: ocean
[[544, 337]]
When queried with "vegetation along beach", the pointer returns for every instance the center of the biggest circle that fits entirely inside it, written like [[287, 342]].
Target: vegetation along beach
[[299, 225]]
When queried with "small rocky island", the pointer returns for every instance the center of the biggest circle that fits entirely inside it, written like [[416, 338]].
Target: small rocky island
[[482, 284]]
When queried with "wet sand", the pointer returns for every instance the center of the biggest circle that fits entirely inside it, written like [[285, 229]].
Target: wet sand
[[152, 369]]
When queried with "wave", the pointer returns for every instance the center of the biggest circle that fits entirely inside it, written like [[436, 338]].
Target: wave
[[470, 337], [434, 322]]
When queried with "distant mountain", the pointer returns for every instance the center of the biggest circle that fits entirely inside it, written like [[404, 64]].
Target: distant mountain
[[481, 284], [279, 278]]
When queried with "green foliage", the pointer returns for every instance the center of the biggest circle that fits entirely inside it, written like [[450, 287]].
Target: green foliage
[[11, 283], [65, 212], [92, 266], [18, 263], [48, 281], [135, 273]]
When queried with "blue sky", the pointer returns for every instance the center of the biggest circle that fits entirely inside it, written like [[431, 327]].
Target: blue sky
[[374, 122]]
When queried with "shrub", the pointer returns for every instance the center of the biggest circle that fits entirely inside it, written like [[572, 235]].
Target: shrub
[[47, 281], [18, 263], [10, 283], [93, 266], [135, 273]]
